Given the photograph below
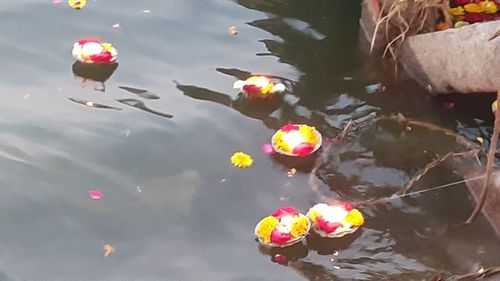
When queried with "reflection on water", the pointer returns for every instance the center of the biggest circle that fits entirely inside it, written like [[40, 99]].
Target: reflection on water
[[94, 72], [175, 208]]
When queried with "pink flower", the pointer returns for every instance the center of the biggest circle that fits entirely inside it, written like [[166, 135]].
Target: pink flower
[[289, 127], [268, 149], [462, 2], [303, 149], [329, 227], [104, 57], [280, 238], [95, 194], [347, 206], [475, 17], [253, 89], [285, 211]]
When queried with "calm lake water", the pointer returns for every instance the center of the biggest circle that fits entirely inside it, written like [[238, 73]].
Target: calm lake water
[[173, 206]]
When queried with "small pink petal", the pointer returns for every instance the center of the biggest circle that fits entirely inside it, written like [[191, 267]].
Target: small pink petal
[[268, 149], [448, 105], [95, 195], [116, 25], [279, 258], [56, 1]]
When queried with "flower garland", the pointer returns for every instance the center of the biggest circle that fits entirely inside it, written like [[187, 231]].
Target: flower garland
[[91, 50], [472, 11], [296, 140], [283, 228], [335, 221], [259, 86]]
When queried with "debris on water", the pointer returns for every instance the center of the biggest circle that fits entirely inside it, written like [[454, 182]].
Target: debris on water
[[140, 92], [116, 26], [408, 128], [292, 172], [232, 30], [335, 253], [140, 105], [268, 149], [284, 198], [448, 105], [93, 104], [374, 88], [108, 250], [481, 270], [146, 11], [26, 96], [95, 194], [348, 78], [127, 133], [480, 140], [139, 189], [223, 180], [241, 160], [332, 259], [336, 267], [279, 258]]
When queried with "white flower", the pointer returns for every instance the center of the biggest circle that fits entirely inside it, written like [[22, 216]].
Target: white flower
[[285, 225], [293, 138]]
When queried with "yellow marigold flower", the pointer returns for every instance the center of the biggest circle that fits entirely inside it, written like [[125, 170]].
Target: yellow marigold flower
[[266, 227], [442, 26], [489, 7], [300, 225], [313, 214], [280, 143], [458, 11], [473, 8], [267, 88], [241, 160], [309, 134], [355, 218], [77, 4]]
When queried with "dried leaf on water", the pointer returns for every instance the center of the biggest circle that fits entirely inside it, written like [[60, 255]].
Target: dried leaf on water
[[108, 250], [140, 92], [93, 104]]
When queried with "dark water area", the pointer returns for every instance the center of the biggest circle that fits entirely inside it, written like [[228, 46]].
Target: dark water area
[[174, 206]]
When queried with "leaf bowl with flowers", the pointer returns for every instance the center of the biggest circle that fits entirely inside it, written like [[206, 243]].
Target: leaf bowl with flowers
[[296, 140], [336, 220], [283, 228]]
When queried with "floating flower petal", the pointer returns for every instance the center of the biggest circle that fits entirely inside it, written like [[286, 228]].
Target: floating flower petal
[[77, 4], [241, 160]]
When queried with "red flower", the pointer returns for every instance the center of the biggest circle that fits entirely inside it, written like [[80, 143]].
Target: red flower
[[289, 127], [303, 149], [475, 17], [347, 206], [462, 2], [251, 89], [88, 40], [285, 211], [103, 57], [329, 227], [280, 238]]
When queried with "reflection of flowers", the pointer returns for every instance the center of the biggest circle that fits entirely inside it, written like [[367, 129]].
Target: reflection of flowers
[[335, 221], [241, 160], [284, 227], [297, 140]]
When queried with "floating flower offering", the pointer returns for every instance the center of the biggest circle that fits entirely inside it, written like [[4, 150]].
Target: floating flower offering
[[91, 50], [296, 140], [472, 11], [283, 228], [259, 86], [334, 221]]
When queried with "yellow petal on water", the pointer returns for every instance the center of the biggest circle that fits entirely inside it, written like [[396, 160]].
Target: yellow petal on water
[[481, 270], [108, 250], [480, 140], [77, 4], [241, 160], [408, 128]]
